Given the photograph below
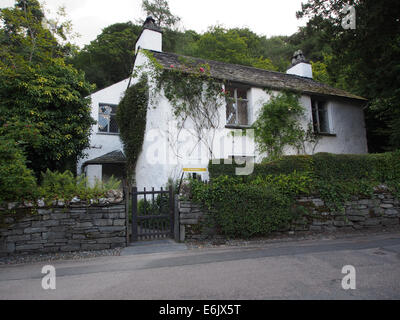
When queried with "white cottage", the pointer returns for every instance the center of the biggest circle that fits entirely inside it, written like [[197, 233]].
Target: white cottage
[[337, 116]]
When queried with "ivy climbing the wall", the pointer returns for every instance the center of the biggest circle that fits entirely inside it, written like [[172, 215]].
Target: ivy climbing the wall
[[279, 126], [131, 118], [193, 93]]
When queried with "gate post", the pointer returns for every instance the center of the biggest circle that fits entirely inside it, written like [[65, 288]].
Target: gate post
[[134, 215], [176, 219], [171, 209]]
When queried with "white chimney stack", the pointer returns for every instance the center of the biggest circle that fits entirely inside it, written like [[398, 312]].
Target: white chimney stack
[[151, 36], [300, 66]]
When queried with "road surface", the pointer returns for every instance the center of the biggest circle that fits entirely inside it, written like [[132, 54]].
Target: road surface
[[309, 269]]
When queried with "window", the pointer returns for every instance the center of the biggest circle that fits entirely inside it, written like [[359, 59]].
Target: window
[[320, 116], [107, 118], [237, 106]]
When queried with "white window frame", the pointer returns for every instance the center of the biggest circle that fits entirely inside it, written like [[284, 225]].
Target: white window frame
[[319, 105], [109, 120], [235, 106]]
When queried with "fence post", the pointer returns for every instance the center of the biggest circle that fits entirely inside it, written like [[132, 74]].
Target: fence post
[[127, 213], [134, 215], [176, 219], [171, 208]]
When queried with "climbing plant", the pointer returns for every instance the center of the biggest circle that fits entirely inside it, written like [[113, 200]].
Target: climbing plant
[[279, 126], [194, 94], [131, 119]]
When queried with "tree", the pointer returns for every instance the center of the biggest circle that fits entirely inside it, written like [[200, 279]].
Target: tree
[[231, 46], [365, 60], [39, 91], [109, 58], [160, 11]]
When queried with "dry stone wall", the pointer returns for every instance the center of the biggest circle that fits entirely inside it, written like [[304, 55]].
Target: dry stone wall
[[380, 211], [63, 229]]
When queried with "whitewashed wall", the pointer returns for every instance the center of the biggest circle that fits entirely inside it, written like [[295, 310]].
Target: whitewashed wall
[[160, 159], [101, 143]]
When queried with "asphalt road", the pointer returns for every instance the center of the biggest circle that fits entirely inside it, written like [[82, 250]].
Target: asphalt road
[[289, 270]]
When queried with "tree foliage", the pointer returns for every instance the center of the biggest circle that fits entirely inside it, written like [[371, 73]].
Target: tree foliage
[[365, 60], [160, 11], [238, 46], [109, 58], [39, 91]]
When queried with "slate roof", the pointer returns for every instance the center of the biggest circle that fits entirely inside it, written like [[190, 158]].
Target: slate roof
[[255, 77], [114, 157]]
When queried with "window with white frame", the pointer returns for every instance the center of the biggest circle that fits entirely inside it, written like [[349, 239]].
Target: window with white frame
[[320, 115], [107, 118], [237, 106]]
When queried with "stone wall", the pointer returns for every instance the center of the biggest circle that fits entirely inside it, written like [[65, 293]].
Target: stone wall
[[380, 211], [189, 217], [63, 229]]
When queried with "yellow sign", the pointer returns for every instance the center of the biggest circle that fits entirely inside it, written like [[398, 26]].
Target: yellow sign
[[194, 170]]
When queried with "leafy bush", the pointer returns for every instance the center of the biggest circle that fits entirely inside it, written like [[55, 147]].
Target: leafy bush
[[286, 165], [64, 186], [383, 167], [260, 203], [242, 210], [17, 182]]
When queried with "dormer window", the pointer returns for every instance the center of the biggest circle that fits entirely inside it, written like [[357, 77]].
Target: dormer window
[[237, 106], [107, 118]]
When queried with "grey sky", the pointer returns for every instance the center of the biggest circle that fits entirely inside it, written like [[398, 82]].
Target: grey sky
[[265, 17]]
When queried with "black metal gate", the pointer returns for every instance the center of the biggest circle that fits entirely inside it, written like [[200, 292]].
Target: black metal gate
[[152, 214]]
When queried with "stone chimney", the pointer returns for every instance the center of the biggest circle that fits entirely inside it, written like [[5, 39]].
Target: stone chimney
[[300, 66], [150, 37]]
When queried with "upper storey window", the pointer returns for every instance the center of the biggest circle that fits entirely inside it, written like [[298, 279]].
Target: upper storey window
[[237, 106], [107, 118]]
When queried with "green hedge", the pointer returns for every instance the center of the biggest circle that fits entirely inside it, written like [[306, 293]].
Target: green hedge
[[256, 205], [380, 167], [240, 210]]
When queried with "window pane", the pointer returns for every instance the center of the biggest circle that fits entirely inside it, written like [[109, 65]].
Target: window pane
[[105, 110], [103, 123], [230, 91], [230, 111], [242, 94], [243, 115], [113, 124], [315, 116], [323, 118]]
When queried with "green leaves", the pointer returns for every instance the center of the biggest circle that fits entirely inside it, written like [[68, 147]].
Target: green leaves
[[131, 118], [109, 58], [17, 182], [238, 46], [279, 126], [240, 210], [42, 100], [364, 60]]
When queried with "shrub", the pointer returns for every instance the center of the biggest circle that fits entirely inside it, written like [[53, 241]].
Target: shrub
[[241, 210], [286, 165], [17, 182], [259, 203], [378, 167], [57, 186]]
